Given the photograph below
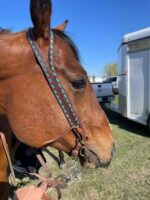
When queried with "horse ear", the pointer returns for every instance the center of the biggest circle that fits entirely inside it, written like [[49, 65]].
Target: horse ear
[[62, 26], [40, 11]]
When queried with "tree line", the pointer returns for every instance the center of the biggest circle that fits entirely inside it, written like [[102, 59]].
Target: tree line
[[111, 69]]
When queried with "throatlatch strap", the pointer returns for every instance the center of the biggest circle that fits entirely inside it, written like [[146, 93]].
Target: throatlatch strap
[[53, 80]]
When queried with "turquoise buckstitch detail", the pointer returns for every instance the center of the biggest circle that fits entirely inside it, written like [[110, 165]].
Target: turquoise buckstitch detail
[[60, 101], [74, 114], [55, 91], [70, 120], [71, 123], [60, 85], [39, 57], [52, 86], [50, 80], [63, 91], [70, 106], [72, 110], [65, 95], [43, 65], [57, 80], [67, 100], [63, 106], [67, 115], [65, 111], [57, 96]]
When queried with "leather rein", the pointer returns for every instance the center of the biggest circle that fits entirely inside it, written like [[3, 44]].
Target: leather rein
[[60, 94]]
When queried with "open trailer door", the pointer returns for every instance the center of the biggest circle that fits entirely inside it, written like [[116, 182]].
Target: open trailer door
[[138, 85]]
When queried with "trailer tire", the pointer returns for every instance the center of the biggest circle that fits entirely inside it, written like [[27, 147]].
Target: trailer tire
[[148, 124]]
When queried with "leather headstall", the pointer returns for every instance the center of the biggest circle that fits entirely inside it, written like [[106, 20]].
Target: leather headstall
[[59, 92]]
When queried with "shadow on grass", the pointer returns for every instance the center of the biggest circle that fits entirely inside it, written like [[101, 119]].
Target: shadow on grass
[[123, 123]]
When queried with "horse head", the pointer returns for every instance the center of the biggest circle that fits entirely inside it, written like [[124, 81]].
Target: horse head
[[31, 107]]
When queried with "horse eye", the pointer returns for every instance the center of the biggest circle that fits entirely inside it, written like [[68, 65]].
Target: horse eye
[[79, 83]]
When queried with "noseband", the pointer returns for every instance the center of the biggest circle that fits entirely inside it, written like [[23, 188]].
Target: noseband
[[59, 93]]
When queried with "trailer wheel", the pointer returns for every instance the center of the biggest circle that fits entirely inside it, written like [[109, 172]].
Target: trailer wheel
[[148, 123]]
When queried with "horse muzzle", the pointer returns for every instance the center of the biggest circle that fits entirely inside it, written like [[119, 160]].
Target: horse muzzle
[[91, 160]]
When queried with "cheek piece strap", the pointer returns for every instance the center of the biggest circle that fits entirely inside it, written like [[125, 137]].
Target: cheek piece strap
[[59, 92]]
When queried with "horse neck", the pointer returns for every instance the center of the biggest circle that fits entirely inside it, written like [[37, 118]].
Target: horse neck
[[2, 98], [4, 124]]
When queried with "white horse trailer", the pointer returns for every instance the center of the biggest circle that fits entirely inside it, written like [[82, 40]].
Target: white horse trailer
[[134, 76]]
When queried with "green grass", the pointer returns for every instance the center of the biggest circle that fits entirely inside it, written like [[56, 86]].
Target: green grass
[[115, 101], [127, 178]]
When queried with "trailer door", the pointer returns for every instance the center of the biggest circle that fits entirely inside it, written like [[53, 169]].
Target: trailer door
[[138, 83]]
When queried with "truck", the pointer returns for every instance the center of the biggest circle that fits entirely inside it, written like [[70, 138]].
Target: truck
[[134, 77], [114, 81], [103, 91]]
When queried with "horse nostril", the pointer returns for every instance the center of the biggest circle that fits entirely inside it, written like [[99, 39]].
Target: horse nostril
[[113, 150]]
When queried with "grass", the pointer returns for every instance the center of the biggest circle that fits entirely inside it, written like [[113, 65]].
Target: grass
[[127, 178], [115, 101]]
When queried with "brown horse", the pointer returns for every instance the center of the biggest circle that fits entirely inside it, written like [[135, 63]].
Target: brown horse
[[29, 108]]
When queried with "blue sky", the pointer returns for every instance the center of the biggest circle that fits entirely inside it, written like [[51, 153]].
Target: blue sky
[[97, 26]]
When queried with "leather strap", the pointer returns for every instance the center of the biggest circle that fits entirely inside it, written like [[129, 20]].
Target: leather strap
[[5, 145], [53, 80], [58, 91]]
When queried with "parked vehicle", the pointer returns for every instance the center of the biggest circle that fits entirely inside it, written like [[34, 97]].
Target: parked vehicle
[[134, 76], [96, 79], [114, 81], [104, 92]]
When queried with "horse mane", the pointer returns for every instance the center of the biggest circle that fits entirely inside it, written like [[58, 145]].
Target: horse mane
[[69, 41]]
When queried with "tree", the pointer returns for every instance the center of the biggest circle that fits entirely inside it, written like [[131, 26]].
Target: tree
[[111, 69]]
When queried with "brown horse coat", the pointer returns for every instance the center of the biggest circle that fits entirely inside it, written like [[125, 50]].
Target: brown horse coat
[[28, 107]]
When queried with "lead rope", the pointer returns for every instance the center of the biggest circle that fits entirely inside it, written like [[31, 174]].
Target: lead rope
[[6, 149], [43, 164], [57, 183]]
